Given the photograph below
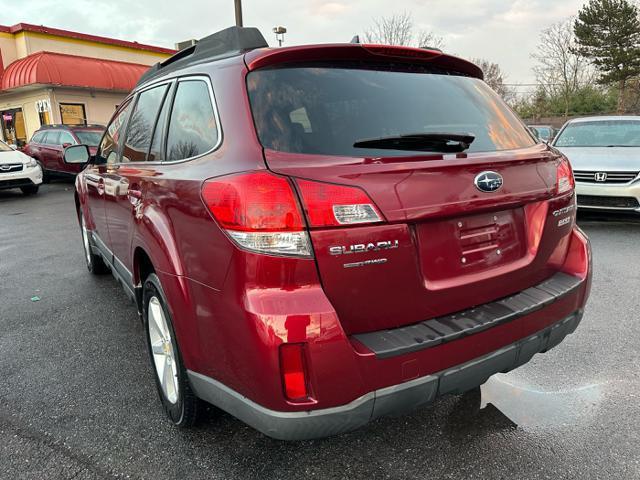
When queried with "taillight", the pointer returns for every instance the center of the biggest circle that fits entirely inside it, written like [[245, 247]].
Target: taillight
[[565, 181], [259, 211], [294, 374], [328, 205]]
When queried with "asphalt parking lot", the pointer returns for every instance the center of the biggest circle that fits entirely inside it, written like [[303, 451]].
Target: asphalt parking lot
[[77, 398]]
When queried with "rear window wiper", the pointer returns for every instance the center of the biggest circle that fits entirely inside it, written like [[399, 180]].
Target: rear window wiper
[[425, 142]]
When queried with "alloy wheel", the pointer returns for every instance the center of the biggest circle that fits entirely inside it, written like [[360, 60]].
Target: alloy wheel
[[164, 358]]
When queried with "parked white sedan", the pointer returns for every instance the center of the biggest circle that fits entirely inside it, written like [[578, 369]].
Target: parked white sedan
[[18, 170], [605, 155]]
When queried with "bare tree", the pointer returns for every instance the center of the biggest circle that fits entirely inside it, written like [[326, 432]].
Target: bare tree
[[494, 77], [428, 39], [399, 29], [559, 70]]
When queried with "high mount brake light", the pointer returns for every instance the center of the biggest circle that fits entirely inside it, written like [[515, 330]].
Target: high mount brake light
[[259, 211], [409, 52], [565, 181], [328, 205]]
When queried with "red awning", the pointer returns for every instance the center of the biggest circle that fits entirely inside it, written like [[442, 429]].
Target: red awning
[[48, 68]]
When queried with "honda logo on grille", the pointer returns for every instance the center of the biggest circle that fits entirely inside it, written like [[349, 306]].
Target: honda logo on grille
[[600, 176]]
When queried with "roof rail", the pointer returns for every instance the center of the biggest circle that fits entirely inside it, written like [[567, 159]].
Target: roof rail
[[229, 42], [71, 125]]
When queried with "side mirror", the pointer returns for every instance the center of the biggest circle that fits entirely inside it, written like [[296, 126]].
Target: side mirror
[[77, 154]]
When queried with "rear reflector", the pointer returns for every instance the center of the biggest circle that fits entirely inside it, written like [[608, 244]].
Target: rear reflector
[[259, 211], [293, 371], [565, 182], [328, 205]]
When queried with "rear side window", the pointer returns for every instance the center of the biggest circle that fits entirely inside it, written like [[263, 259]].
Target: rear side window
[[108, 150], [51, 137], [89, 137], [37, 137], [66, 137], [140, 127], [325, 110], [192, 127]]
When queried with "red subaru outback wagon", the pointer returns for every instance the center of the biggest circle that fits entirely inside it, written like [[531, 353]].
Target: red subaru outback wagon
[[49, 142], [316, 236]]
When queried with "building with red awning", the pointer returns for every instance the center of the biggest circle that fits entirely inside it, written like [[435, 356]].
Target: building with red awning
[[53, 76]]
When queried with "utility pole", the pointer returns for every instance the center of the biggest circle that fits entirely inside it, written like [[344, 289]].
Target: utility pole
[[238, 12]]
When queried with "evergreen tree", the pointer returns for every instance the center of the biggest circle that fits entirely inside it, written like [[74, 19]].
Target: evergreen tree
[[608, 34]]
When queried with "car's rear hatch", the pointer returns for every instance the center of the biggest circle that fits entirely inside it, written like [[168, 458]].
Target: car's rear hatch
[[442, 243]]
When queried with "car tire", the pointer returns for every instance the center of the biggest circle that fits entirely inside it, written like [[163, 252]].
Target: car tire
[[95, 263], [178, 400], [30, 190]]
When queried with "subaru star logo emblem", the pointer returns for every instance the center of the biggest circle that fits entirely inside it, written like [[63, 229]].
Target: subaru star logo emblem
[[5, 167], [488, 181], [600, 176]]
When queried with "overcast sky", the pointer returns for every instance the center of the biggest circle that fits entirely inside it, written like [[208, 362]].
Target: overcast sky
[[502, 31]]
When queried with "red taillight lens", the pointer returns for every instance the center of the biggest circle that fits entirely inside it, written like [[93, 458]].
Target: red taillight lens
[[328, 205], [565, 181], [259, 211], [258, 201], [294, 376]]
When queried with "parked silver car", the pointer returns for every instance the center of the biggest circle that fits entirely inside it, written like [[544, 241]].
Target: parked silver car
[[605, 155]]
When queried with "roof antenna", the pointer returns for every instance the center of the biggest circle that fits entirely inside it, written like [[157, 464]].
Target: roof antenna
[[355, 39]]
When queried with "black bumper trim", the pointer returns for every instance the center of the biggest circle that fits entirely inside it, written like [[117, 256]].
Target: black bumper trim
[[15, 183], [412, 338], [393, 400]]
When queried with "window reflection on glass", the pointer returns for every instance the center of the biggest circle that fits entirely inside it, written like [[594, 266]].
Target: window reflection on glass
[[108, 151], [155, 152], [327, 110], [192, 128], [141, 124]]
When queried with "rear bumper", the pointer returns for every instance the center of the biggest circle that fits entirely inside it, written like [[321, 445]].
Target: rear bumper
[[392, 400], [351, 382]]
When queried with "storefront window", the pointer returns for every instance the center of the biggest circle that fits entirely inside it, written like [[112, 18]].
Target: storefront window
[[43, 107], [45, 118], [73, 114], [13, 127]]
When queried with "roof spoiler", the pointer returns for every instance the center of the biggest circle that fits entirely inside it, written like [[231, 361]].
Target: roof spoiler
[[225, 43]]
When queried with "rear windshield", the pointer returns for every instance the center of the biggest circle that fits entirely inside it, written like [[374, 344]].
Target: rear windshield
[[600, 133], [89, 137], [325, 110]]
